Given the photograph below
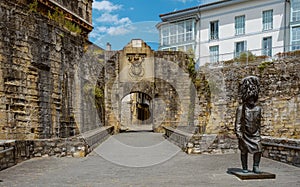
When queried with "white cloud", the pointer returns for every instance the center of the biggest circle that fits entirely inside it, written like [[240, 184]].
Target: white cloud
[[125, 20], [112, 30], [112, 19], [106, 6], [184, 1], [101, 29], [107, 18], [119, 36], [119, 30], [108, 22]]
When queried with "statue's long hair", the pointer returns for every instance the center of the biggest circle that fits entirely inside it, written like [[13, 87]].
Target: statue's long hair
[[249, 87]]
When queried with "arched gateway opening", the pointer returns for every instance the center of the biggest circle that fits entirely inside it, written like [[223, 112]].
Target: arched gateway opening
[[146, 90], [136, 112]]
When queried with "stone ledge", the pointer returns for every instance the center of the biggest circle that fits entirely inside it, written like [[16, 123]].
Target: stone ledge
[[95, 137], [282, 149], [200, 143], [279, 149], [7, 154], [15, 151]]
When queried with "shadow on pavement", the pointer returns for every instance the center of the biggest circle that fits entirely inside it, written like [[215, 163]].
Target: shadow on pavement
[[230, 171]]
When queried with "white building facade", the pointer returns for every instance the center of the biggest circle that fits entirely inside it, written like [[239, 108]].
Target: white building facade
[[225, 29]]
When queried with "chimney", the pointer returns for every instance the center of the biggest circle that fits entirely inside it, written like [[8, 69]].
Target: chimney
[[108, 46]]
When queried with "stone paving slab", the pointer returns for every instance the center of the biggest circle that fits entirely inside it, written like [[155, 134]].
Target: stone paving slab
[[179, 170]]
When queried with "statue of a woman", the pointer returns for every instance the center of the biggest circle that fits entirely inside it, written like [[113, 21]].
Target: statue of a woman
[[247, 124]]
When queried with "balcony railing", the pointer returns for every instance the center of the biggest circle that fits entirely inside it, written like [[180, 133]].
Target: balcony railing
[[249, 56]]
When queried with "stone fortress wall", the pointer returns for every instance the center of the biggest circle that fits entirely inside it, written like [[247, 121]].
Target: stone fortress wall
[[279, 96], [218, 100], [50, 75], [82, 8], [41, 72]]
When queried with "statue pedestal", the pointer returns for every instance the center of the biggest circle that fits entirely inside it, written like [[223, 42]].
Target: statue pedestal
[[251, 175]]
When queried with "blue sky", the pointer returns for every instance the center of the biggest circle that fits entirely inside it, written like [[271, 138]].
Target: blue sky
[[119, 21]]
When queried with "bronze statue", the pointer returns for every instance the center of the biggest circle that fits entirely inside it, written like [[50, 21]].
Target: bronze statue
[[247, 124]]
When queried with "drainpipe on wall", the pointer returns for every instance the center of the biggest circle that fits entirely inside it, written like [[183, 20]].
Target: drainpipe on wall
[[199, 41], [286, 27]]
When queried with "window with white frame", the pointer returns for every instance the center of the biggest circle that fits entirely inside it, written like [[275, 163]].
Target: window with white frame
[[240, 47], [178, 32], [267, 20], [214, 30], [239, 25], [173, 33], [214, 53], [267, 46], [295, 38], [295, 6], [188, 30], [165, 36]]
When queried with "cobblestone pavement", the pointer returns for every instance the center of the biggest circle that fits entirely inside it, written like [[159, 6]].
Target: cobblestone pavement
[[179, 170]]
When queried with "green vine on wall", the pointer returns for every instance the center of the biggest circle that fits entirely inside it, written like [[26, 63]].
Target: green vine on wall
[[33, 6], [263, 66], [191, 65], [57, 16], [243, 58]]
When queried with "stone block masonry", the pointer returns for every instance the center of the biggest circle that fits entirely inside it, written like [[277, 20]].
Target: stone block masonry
[[15, 151], [165, 80], [217, 89], [279, 149], [7, 154], [282, 149], [40, 81], [279, 97]]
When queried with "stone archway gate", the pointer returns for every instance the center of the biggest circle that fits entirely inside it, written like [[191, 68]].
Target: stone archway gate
[[160, 74]]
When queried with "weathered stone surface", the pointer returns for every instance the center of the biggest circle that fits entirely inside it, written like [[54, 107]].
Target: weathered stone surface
[[162, 76], [42, 74], [76, 146]]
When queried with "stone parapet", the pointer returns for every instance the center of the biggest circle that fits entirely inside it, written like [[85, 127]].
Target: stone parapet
[[14, 151], [97, 136], [178, 137], [7, 154], [282, 149], [201, 143], [279, 149]]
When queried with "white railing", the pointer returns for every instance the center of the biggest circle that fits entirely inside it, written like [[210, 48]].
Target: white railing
[[247, 56]]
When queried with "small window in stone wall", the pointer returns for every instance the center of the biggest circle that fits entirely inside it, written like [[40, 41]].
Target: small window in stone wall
[[80, 12]]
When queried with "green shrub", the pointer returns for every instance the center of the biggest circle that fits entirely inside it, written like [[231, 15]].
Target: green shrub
[[245, 57], [263, 66], [33, 6]]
